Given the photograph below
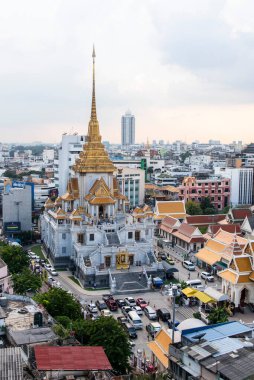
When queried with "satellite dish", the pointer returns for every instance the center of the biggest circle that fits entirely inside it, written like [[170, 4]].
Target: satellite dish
[[199, 336]]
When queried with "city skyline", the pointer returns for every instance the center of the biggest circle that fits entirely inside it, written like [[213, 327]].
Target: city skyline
[[185, 70]]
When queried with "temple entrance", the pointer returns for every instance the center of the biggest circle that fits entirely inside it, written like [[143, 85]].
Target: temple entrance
[[137, 235], [101, 211], [122, 260], [107, 261], [243, 297]]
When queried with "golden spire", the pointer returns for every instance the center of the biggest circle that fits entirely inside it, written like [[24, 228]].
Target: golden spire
[[93, 110], [93, 158], [93, 127]]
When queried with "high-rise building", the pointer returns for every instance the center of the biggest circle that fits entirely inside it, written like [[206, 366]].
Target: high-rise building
[[128, 129]]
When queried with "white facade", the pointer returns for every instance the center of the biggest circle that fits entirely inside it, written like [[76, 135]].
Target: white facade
[[68, 152], [48, 155], [17, 207], [241, 189], [128, 129], [132, 184], [41, 194]]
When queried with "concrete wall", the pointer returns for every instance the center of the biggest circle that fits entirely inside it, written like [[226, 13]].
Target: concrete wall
[[17, 207]]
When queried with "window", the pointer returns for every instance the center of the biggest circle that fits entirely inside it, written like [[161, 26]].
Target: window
[[81, 238], [130, 235], [63, 249], [219, 198], [63, 236], [91, 237]]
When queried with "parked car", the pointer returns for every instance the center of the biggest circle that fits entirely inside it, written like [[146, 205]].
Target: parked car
[[141, 302], [170, 324], [120, 303], [126, 309], [130, 301], [150, 313], [153, 328], [188, 265], [138, 310], [101, 305], [207, 276], [111, 304], [106, 313], [122, 319], [130, 330], [162, 256], [53, 272], [170, 261], [163, 314]]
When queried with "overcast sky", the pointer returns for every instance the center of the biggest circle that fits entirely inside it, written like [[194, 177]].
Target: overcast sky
[[184, 68]]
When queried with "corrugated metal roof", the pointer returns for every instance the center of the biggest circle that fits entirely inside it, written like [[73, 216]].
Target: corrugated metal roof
[[219, 331], [226, 345], [71, 358], [11, 364]]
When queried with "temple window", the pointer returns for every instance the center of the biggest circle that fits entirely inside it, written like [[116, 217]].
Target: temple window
[[81, 238], [130, 235], [91, 237]]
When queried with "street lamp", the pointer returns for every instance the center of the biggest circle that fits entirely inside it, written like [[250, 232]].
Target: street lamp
[[174, 294]]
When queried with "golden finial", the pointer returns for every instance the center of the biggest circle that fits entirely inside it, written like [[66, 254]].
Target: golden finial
[[93, 110]]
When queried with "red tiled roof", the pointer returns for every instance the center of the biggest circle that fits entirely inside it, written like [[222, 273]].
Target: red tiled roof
[[204, 219], [232, 228], [241, 213], [71, 358], [186, 229], [168, 221]]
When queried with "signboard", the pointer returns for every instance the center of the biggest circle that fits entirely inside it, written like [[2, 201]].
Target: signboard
[[12, 227]]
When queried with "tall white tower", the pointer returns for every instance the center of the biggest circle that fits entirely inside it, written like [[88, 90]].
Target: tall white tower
[[128, 129]]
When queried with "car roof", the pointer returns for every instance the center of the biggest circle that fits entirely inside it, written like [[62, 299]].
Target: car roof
[[149, 308], [155, 324], [164, 310]]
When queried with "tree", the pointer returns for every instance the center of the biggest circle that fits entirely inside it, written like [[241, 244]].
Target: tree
[[218, 315], [193, 208], [26, 281], [108, 333], [207, 206], [15, 258], [58, 302], [183, 156]]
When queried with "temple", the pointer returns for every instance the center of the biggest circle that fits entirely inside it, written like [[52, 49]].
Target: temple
[[89, 228]]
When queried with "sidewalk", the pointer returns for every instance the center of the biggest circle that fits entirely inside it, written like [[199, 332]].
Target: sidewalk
[[64, 276]]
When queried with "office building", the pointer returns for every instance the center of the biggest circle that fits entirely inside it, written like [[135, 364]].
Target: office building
[[17, 209], [241, 184], [132, 184], [128, 129]]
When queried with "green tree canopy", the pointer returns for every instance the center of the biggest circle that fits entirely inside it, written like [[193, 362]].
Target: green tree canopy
[[108, 333], [218, 315], [15, 257], [193, 208], [207, 206], [26, 281], [58, 302]]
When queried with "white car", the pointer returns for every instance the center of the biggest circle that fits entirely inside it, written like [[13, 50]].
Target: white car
[[207, 276], [53, 272], [48, 267], [130, 301], [106, 313], [138, 310]]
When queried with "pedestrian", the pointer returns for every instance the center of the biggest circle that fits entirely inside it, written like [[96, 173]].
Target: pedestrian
[[198, 274], [188, 275], [206, 281], [139, 277], [148, 337]]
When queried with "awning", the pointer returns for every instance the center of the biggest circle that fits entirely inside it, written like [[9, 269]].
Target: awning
[[189, 292], [218, 296], [221, 264], [203, 297], [159, 353]]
